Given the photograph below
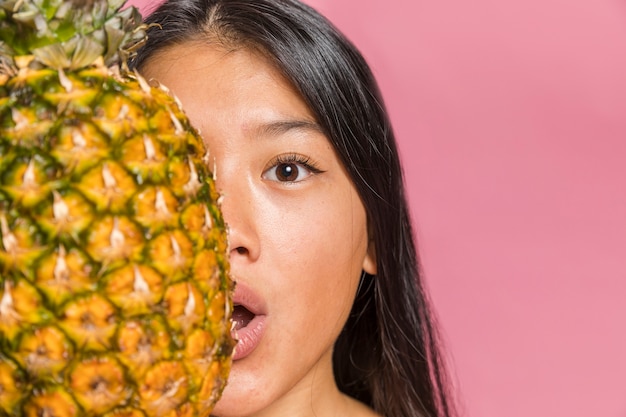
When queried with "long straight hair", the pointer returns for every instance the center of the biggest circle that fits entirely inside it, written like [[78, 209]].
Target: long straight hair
[[388, 355]]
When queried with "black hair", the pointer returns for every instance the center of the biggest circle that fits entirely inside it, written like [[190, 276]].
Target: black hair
[[388, 355]]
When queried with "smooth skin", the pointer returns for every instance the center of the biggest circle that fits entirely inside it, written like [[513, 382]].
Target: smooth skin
[[297, 227]]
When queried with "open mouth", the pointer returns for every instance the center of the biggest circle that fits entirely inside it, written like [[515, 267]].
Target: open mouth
[[241, 317], [249, 318]]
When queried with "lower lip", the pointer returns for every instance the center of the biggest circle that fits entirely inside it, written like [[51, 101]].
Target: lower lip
[[249, 337]]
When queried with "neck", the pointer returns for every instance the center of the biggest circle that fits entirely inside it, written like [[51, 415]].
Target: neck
[[316, 395]]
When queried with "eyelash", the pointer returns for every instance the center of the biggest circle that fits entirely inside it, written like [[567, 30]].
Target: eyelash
[[296, 159]]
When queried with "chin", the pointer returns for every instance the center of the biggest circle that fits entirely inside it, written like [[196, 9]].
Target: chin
[[241, 397]]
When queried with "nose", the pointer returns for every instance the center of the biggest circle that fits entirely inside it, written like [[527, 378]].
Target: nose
[[238, 209]]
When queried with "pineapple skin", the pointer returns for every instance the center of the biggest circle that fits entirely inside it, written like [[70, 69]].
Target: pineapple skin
[[115, 295]]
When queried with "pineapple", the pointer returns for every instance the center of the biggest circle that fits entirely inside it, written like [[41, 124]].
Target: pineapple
[[115, 298]]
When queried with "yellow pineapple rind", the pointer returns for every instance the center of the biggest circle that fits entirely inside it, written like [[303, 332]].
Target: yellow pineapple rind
[[80, 204]]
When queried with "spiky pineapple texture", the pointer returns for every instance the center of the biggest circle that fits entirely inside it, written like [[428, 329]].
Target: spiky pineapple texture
[[114, 286]]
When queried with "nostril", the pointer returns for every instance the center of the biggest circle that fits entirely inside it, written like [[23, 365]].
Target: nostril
[[241, 250]]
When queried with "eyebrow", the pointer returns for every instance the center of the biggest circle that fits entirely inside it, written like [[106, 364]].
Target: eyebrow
[[282, 126]]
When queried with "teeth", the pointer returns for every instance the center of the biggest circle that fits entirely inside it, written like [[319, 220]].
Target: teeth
[[241, 316]]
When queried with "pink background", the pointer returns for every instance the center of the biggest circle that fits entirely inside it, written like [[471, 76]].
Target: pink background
[[511, 117]]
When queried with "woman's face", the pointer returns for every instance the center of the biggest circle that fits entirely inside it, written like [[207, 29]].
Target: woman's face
[[297, 228]]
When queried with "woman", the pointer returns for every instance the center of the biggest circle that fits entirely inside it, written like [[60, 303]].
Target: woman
[[331, 315]]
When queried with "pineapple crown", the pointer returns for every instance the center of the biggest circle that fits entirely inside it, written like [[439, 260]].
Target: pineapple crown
[[68, 34]]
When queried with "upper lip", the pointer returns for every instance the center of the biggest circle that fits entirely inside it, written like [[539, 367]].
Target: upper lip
[[244, 296]]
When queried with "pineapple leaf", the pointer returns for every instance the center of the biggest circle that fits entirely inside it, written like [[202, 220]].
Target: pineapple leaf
[[83, 30], [78, 52], [53, 55], [87, 51]]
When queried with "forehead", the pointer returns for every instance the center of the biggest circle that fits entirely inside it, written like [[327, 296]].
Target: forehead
[[208, 55], [196, 63], [239, 88]]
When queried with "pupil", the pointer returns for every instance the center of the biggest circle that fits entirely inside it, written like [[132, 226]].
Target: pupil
[[287, 172]]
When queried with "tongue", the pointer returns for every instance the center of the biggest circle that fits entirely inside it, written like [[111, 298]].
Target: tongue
[[241, 317]]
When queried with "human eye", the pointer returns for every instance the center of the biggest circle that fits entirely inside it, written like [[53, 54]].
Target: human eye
[[290, 168]]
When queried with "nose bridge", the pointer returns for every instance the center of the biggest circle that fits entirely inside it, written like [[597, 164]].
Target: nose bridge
[[237, 207]]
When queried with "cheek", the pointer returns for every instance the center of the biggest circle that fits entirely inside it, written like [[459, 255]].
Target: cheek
[[324, 235], [320, 252]]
